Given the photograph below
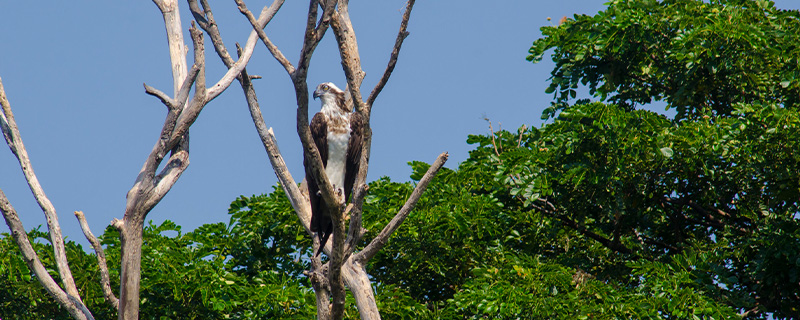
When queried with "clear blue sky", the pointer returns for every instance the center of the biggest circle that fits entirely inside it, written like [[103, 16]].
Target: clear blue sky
[[73, 72]]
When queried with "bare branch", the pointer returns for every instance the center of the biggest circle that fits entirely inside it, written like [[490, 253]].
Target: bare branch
[[177, 49], [196, 105], [401, 35], [383, 237], [174, 132], [192, 110], [313, 36], [355, 231], [310, 42], [494, 142], [183, 92], [205, 18], [73, 305], [273, 49], [299, 202], [105, 279], [177, 164], [320, 283], [351, 61], [14, 141], [199, 61], [165, 99]]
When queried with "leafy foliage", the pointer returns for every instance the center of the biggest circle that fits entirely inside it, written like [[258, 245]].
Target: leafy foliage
[[697, 55], [606, 212], [720, 189], [21, 295], [209, 273]]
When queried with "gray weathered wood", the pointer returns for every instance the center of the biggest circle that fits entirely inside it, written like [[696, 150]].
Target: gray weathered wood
[[105, 279], [173, 144], [69, 297]]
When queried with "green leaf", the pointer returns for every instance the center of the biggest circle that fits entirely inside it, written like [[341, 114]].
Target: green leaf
[[666, 151]]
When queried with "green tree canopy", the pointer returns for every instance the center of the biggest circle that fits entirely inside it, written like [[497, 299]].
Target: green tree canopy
[[695, 55], [716, 197]]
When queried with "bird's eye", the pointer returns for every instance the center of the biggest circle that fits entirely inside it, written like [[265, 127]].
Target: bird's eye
[[325, 87]]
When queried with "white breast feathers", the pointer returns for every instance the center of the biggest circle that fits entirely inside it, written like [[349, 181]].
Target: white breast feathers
[[337, 153]]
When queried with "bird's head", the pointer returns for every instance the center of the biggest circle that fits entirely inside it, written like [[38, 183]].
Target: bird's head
[[329, 93], [327, 88]]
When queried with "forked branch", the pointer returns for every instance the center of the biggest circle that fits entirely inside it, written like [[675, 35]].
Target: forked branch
[[327, 279], [259, 28]]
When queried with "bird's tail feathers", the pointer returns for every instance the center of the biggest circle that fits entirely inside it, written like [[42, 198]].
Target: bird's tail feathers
[[323, 238]]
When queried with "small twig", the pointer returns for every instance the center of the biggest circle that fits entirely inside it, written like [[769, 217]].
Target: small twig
[[165, 99], [105, 279], [383, 237], [401, 36], [494, 142]]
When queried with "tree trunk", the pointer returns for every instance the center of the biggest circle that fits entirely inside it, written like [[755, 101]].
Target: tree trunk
[[131, 256]]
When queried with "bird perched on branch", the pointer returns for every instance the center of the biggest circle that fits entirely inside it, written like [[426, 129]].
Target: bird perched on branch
[[337, 133]]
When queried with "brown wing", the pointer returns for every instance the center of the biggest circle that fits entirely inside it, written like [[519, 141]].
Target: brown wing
[[320, 221], [353, 152]]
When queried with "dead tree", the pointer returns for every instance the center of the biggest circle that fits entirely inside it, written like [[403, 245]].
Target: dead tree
[[149, 187], [345, 266]]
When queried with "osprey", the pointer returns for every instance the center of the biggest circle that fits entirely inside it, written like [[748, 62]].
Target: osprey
[[337, 133]]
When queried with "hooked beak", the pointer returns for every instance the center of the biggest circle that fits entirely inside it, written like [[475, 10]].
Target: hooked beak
[[316, 94]]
